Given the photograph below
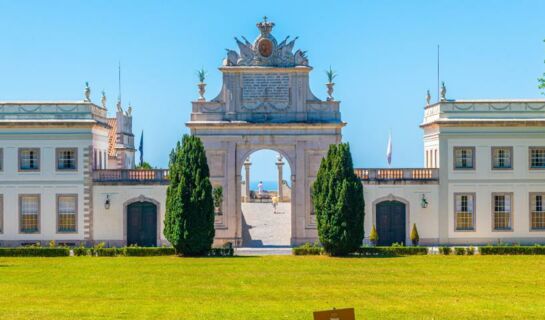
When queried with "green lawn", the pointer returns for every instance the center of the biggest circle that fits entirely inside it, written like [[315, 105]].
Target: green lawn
[[272, 287]]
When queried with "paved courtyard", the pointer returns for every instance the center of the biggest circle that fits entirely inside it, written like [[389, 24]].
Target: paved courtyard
[[262, 228]]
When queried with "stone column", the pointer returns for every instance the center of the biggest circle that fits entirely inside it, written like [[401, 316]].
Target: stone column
[[247, 165], [280, 165]]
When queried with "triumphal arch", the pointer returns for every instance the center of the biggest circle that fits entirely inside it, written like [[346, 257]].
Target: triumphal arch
[[265, 103]]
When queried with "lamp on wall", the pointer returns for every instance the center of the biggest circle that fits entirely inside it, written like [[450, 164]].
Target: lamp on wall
[[107, 202], [424, 202]]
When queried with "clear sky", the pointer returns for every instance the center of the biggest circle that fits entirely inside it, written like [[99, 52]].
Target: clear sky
[[383, 51]]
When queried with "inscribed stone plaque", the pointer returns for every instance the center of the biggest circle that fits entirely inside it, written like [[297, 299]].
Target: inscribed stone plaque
[[335, 314], [268, 91]]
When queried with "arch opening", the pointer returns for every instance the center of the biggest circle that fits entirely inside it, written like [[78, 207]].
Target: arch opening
[[266, 193]]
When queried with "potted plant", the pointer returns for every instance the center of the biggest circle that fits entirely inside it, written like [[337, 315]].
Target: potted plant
[[373, 237], [331, 75], [217, 194], [201, 74], [415, 238]]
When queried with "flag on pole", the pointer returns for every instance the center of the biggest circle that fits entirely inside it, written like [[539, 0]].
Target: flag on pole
[[389, 150], [141, 148]]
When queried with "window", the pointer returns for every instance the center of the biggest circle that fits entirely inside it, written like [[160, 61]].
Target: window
[[502, 207], [464, 158], [502, 158], [67, 213], [29, 159], [537, 157], [67, 159], [29, 211], [537, 211], [464, 215], [1, 214], [1, 159]]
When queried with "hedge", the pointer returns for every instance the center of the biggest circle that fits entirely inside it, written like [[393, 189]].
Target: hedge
[[307, 249], [391, 251], [34, 252], [221, 252], [512, 250], [148, 251]]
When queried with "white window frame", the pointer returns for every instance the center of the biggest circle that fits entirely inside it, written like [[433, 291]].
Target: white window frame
[[533, 210], [471, 206], [36, 160], [38, 218], [507, 209], [75, 213], [59, 153], [473, 163]]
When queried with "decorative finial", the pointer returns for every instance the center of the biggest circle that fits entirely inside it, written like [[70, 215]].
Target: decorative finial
[[87, 92], [118, 106], [428, 98], [443, 91], [103, 100], [201, 74], [265, 27], [331, 75], [129, 111], [264, 18]]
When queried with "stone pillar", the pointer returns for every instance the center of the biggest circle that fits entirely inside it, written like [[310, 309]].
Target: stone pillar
[[247, 165], [280, 165]]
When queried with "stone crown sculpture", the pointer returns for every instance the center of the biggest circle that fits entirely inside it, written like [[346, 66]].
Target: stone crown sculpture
[[266, 51]]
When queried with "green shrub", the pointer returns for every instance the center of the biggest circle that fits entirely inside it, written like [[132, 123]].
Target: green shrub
[[106, 252], [445, 250], [470, 251], [337, 195], [460, 251], [34, 252], [189, 220], [512, 250], [221, 252], [148, 251], [415, 237], [391, 251], [373, 236], [81, 251], [307, 249]]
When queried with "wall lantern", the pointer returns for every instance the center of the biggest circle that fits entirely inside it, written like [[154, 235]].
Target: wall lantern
[[424, 202], [107, 202]]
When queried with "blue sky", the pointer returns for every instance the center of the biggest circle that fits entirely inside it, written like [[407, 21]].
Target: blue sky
[[383, 51]]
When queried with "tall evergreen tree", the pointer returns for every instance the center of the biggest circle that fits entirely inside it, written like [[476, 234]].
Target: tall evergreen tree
[[337, 196], [189, 220]]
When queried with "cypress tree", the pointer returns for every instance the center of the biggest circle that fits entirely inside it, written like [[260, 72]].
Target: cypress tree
[[189, 220], [337, 196], [373, 236], [415, 238]]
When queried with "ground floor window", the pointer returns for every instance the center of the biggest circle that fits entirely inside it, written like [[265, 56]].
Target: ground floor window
[[1, 213], [29, 211], [464, 215], [537, 211], [502, 205], [67, 212]]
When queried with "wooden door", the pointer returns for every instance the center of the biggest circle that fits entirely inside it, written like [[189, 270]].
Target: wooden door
[[142, 224], [391, 227]]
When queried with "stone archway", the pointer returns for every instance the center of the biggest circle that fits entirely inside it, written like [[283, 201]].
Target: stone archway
[[265, 103]]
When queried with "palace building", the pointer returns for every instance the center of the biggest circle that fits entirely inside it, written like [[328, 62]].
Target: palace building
[[67, 171]]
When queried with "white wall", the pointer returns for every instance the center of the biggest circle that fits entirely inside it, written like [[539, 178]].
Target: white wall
[[109, 224]]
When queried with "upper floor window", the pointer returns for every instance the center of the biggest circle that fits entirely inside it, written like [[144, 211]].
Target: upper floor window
[[502, 211], [464, 215], [502, 158], [67, 212], [464, 158], [67, 159], [29, 159], [537, 211], [1, 214], [29, 213], [1, 159], [537, 157]]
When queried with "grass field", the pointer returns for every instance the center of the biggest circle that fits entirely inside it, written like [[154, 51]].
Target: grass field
[[273, 287]]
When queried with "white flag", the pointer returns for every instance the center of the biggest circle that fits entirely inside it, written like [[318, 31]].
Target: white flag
[[389, 150]]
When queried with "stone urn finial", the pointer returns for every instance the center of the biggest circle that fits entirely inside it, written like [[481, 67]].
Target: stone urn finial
[[443, 91], [201, 74], [331, 75], [87, 92], [428, 98]]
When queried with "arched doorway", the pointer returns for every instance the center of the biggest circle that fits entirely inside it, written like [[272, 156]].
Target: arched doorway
[[390, 222], [265, 200], [142, 224]]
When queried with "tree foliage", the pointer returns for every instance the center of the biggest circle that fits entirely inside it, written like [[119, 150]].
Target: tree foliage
[[189, 220], [415, 238], [541, 82], [337, 196], [144, 166]]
